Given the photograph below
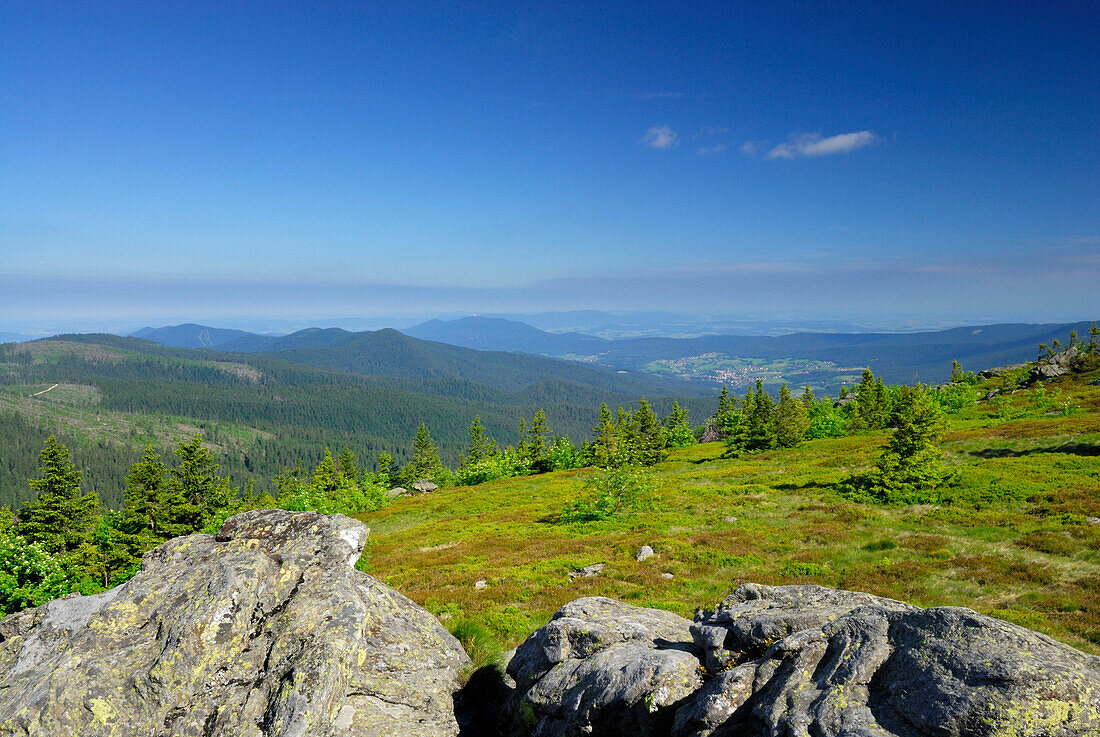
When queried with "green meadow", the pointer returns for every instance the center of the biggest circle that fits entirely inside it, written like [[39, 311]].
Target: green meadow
[[1011, 536]]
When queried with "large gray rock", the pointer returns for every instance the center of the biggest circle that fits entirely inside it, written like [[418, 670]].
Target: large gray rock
[[603, 667], [802, 661], [262, 629], [990, 373], [1045, 371], [754, 617]]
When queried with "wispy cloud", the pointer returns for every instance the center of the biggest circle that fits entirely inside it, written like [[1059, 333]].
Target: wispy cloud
[[660, 136], [717, 148], [812, 144], [749, 148]]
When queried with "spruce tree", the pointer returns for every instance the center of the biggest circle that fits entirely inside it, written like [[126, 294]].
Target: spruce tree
[[326, 476], [145, 514], [912, 462], [481, 446], [790, 420], [724, 403], [534, 443], [387, 467], [348, 464], [426, 463], [603, 448], [758, 419], [626, 438], [872, 410], [196, 491], [650, 436], [677, 428], [61, 518]]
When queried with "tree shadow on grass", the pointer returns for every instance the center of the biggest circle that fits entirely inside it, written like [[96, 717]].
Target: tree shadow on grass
[[1080, 449], [800, 487]]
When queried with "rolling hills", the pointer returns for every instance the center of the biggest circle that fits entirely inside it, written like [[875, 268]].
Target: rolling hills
[[266, 410], [823, 360]]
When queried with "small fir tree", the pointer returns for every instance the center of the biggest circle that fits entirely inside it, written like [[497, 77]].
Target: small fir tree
[[651, 441], [759, 407], [60, 519], [534, 443], [603, 449], [790, 420], [481, 446], [426, 463], [196, 492], [677, 428], [912, 462], [348, 464]]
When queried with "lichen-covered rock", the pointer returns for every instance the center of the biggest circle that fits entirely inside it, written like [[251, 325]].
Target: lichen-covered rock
[[802, 661], [754, 617], [262, 629], [603, 667]]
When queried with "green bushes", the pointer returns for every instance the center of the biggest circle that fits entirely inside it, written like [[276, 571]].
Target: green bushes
[[609, 492], [910, 469], [330, 490], [29, 576]]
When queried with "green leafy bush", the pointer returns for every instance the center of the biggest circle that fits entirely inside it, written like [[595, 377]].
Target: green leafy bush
[[954, 397], [610, 492], [29, 576]]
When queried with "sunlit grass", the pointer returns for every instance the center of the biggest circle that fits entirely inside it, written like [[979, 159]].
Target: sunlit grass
[[1011, 538]]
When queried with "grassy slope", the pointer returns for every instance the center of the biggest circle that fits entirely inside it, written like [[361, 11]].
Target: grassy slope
[[1014, 542]]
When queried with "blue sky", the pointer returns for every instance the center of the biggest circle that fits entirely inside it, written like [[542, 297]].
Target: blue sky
[[200, 161]]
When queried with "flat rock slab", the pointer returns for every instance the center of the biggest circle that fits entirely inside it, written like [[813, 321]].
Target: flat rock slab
[[262, 629]]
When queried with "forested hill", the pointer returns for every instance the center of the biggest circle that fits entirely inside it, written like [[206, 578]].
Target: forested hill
[[390, 353], [262, 411], [190, 335]]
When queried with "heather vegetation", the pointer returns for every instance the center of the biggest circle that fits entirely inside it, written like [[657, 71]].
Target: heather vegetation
[[982, 492]]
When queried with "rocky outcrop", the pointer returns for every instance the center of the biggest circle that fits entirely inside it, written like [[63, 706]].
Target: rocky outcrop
[[800, 661], [603, 667], [262, 629], [991, 373], [1057, 365], [267, 629]]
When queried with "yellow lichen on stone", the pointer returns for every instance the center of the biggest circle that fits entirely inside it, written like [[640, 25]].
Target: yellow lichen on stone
[[102, 710]]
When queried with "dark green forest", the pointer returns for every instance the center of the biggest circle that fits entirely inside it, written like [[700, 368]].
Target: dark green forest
[[262, 412]]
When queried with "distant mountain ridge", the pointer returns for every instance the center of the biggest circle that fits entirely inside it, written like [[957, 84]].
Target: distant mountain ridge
[[499, 334], [897, 357], [190, 335]]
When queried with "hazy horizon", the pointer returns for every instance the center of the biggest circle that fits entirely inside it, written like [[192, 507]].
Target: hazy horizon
[[210, 162]]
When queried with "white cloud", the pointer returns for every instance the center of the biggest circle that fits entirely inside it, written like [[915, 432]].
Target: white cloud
[[660, 136], [812, 144], [749, 148], [711, 150]]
